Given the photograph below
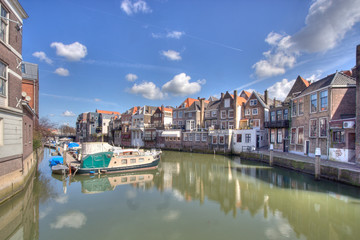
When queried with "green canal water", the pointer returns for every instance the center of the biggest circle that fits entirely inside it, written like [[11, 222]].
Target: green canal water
[[190, 196]]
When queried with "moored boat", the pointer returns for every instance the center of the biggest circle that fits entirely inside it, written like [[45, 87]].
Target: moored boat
[[119, 161]]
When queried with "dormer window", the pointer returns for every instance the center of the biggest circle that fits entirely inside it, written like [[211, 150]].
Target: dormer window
[[227, 103], [253, 102]]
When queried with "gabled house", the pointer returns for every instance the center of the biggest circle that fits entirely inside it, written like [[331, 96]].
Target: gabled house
[[126, 120], [179, 118], [104, 119], [279, 120], [323, 116], [140, 121]]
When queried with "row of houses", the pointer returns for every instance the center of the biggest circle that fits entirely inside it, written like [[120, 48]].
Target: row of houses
[[19, 96], [314, 115]]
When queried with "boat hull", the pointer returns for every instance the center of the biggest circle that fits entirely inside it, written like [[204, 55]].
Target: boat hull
[[152, 165]]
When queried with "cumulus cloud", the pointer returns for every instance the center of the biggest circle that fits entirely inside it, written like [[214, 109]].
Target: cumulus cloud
[[175, 34], [280, 89], [130, 7], [171, 55], [131, 77], [68, 113], [326, 24], [148, 90], [72, 52], [42, 56], [70, 220], [62, 72], [180, 85]]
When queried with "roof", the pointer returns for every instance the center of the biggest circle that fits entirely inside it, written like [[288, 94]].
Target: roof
[[248, 94], [188, 102], [299, 85], [107, 112], [30, 71], [166, 109], [335, 79], [213, 105], [212, 98]]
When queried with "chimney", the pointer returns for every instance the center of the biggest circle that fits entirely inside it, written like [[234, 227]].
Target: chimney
[[266, 96], [236, 119], [274, 102], [357, 123], [202, 112], [162, 115], [222, 95]]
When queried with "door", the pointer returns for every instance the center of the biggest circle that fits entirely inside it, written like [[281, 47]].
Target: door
[[257, 141], [307, 147]]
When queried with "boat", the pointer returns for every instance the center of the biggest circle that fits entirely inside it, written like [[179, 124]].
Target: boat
[[60, 169], [121, 160]]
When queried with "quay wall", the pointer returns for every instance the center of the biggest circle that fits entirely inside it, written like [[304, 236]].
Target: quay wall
[[342, 175], [13, 183]]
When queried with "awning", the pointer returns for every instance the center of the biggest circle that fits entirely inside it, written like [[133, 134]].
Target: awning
[[170, 134]]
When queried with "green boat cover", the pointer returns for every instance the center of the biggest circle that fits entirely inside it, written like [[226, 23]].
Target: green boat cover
[[96, 185], [97, 160]]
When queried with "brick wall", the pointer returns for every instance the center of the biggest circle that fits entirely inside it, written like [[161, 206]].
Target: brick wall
[[28, 126], [261, 111]]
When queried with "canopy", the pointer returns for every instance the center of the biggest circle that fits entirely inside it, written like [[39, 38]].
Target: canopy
[[170, 134], [73, 144], [56, 160]]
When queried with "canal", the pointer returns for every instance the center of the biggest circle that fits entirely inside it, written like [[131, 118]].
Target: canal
[[190, 196]]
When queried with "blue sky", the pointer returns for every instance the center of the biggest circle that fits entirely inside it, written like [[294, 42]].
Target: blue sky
[[115, 54]]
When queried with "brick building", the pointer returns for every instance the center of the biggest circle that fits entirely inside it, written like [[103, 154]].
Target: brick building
[[315, 111], [11, 111]]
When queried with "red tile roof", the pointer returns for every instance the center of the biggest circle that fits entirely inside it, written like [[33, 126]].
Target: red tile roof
[[107, 112], [248, 94], [305, 82], [188, 102]]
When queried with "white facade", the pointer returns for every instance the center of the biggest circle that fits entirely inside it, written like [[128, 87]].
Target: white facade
[[248, 140]]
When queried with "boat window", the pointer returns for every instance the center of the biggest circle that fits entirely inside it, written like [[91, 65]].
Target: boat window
[[133, 160], [141, 178], [132, 179], [123, 161], [141, 160], [124, 179]]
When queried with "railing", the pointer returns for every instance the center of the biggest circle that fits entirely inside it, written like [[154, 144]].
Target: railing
[[277, 124]]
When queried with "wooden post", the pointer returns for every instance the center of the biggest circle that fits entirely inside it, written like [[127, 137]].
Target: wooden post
[[64, 154], [317, 163], [271, 155]]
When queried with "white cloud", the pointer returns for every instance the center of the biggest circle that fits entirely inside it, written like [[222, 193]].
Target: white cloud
[[131, 6], [172, 215], [73, 52], [280, 89], [42, 56], [62, 199], [148, 90], [180, 85], [62, 72], [70, 220], [68, 113], [327, 23], [171, 55], [175, 34], [131, 77]]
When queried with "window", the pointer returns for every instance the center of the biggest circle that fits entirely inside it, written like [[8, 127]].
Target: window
[[313, 103], [255, 123], [247, 112], [255, 111], [279, 136], [180, 114], [300, 135], [338, 136], [239, 138], [174, 115], [213, 122], [313, 127], [180, 123], [223, 125], [207, 114], [323, 127], [301, 106], [323, 100], [272, 117], [253, 102], [293, 135], [272, 135], [214, 139], [231, 125], [197, 137], [2, 79], [227, 103], [294, 107], [213, 113], [123, 161], [190, 137], [185, 137], [286, 113], [223, 114], [247, 138], [204, 137], [141, 160], [279, 115], [190, 115], [231, 113], [3, 24], [221, 139]]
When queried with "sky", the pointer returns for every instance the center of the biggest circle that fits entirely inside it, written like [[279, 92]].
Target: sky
[[116, 54]]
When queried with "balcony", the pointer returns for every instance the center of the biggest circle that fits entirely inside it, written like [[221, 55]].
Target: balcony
[[277, 124]]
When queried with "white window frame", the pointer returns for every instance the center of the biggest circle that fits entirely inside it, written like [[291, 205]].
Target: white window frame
[[180, 114], [4, 79], [223, 114], [214, 122], [6, 22], [303, 104], [207, 114], [213, 113], [327, 127], [190, 137], [174, 115], [293, 138], [231, 125], [317, 105], [253, 102], [222, 143], [185, 137], [231, 111], [212, 139], [247, 112], [204, 137], [327, 99], [190, 114], [297, 135], [227, 102], [257, 111], [197, 137], [317, 126]]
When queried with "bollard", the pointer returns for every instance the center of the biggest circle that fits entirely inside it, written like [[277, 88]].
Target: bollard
[[317, 163], [271, 154]]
